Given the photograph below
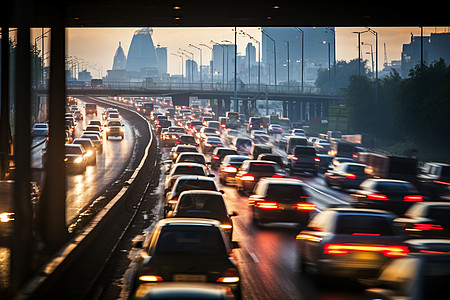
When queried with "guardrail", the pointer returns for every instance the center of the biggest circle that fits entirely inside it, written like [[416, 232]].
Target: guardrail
[[50, 281]]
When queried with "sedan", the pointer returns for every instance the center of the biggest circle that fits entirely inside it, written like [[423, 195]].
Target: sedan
[[210, 143], [204, 204], [274, 128], [175, 151], [40, 129], [281, 200], [388, 194], [349, 242], [91, 156], [188, 250], [218, 154], [229, 167], [252, 171], [426, 220], [75, 158], [346, 175], [417, 276], [181, 169]]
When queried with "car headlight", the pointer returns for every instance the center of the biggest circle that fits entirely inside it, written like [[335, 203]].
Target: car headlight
[[89, 153], [6, 217], [122, 129], [108, 129], [78, 160]]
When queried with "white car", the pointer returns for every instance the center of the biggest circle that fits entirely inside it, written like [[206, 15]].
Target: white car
[[40, 129]]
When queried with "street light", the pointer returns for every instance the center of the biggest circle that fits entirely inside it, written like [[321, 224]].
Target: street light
[[182, 62], [303, 39], [212, 64], [274, 55], [259, 53], [329, 65], [192, 62], [223, 62], [200, 49]]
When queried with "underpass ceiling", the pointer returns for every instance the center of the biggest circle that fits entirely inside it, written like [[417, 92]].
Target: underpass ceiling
[[201, 13]]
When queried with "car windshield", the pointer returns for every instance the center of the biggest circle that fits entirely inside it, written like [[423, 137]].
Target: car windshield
[[189, 170], [305, 151], [364, 224], [261, 167], [246, 143], [202, 206], [190, 241], [285, 192], [355, 169], [200, 159], [74, 150], [213, 140]]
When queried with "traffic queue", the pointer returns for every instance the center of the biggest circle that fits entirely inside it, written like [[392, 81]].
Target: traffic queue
[[393, 223]]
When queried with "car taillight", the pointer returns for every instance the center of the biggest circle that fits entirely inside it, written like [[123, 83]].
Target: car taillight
[[280, 129], [174, 200], [247, 177], [349, 175], [230, 169], [148, 274], [294, 158], [230, 276], [377, 197], [305, 206], [261, 126], [413, 198], [267, 205], [277, 176], [427, 227], [215, 157], [387, 250]]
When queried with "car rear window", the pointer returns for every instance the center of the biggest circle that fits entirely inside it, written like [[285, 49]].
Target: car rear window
[[224, 152], [190, 241], [243, 142], [114, 123], [440, 214], [264, 168], [40, 126], [305, 151], [192, 158], [364, 224], [285, 192], [189, 170], [355, 169], [202, 206], [187, 149], [387, 187], [193, 184], [187, 138]]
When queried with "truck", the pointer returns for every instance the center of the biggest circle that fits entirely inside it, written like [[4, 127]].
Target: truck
[[341, 148], [390, 167], [90, 108], [434, 180], [147, 108]]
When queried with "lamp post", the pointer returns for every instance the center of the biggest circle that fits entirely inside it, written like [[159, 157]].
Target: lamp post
[[259, 54], [303, 39], [223, 62], [182, 62], [274, 56], [201, 63], [371, 55], [329, 65], [183, 51], [376, 62], [212, 64]]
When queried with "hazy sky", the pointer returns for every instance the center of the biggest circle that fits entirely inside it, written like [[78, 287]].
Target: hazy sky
[[97, 46]]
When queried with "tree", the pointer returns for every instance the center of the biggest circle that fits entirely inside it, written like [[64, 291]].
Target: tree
[[344, 70]]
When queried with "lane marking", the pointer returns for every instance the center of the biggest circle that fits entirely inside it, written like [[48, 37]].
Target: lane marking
[[325, 194], [254, 257]]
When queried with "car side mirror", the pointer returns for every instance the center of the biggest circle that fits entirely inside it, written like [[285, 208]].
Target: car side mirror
[[234, 214], [222, 192], [211, 175], [208, 163], [235, 245], [138, 242]]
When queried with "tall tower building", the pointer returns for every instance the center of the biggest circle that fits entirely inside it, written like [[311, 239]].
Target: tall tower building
[[141, 54], [120, 60], [161, 54]]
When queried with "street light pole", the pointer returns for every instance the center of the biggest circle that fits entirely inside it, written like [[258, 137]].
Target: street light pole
[[182, 62], [212, 64], [201, 63], [303, 36], [223, 62], [274, 56]]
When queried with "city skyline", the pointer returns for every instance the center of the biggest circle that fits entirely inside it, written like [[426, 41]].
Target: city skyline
[[82, 41]]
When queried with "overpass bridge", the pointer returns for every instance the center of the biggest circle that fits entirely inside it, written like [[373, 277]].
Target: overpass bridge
[[299, 103]]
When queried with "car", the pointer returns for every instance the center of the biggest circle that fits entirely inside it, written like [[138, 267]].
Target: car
[[349, 243], [229, 167], [91, 156], [175, 151], [230, 134], [434, 179], [210, 143], [193, 157], [78, 115], [303, 159], [75, 158], [187, 249], [432, 245], [96, 122], [187, 183], [115, 127], [172, 136], [336, 161], [258, 149], [324, 162], [183, 290], [388, 194], [96, 140], [293, 141], [322, 146], [255, 123], [162, 124], [417, 276], [251, 171], [90, 108], [186, 139], [95, 128], [213, 124], [207, 132], [243, 145], [426, 220], [274, 128], [279, 159], [280, 200], [40, 129], [107, 111], [182, 169], [218, 154], [205, 204], [346, 175], [298, 132]]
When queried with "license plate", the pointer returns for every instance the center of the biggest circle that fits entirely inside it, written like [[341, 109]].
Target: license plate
[[362, 255], [189, 277]]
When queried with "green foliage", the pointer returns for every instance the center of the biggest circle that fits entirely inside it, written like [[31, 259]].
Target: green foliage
[[413, 111], [344, 71]]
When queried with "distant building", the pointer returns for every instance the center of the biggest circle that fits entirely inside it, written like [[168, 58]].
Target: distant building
[[120, 60], [161, 54], [142, 61], [84, 76], [435, 47]]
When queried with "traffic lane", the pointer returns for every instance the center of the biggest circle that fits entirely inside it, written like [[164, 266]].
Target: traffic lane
[[268, 261]]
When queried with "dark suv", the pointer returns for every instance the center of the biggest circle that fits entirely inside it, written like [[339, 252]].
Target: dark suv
[[304, 159]]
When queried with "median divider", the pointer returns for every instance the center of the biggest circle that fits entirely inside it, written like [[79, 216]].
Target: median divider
[[51, 280]]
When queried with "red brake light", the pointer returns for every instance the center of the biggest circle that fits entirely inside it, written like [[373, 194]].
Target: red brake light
[[280, 129], [317, 159], [215, 157], [413, 198], [277, 176], [387, 250], [267, 205], [306, 206], [294, 158], [248, 177], [261, 126], [426, 227], [148, 274], [350, 175], [377, 197]]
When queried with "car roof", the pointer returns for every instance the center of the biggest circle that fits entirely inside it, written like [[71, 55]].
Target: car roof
[[253, 161], [191, 153], [195, 177], [351, 210], [187, 164], [72, 145], [286, 181], [349, 163], [189, 221], [202, 192]]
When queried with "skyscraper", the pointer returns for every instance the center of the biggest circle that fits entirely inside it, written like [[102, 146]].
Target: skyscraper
[[141, 54], [161, 54], [120, 60]]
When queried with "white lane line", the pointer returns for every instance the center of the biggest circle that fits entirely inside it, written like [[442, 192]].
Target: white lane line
[[325, 194], [254, 257]]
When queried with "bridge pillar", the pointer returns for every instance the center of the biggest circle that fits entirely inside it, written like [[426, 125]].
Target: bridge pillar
[[291, 110], [284, 109], [228, 105]]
